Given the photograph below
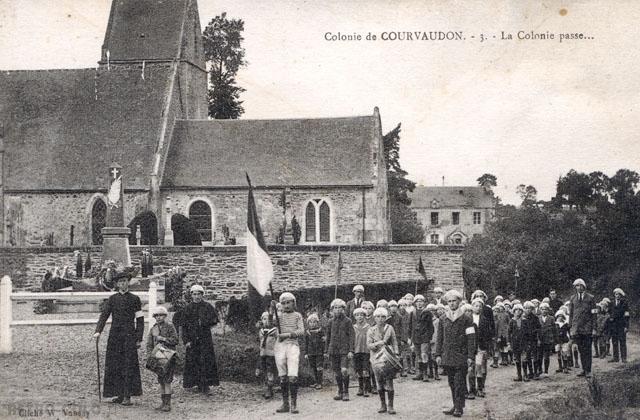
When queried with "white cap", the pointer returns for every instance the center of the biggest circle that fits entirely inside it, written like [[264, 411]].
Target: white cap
[[197, 288], [418, 297], [518, 306], [160, 310], [438, 290], [358, 288], [579, 282], [392, 303], [453, 293], [380, 311], [545, 305], [477, 299], [618, 290], [479, 293], [498, 297], [528, 304], [287, 296], [338, 303]]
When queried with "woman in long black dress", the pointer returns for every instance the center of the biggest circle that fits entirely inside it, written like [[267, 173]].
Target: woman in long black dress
[[200, 365]]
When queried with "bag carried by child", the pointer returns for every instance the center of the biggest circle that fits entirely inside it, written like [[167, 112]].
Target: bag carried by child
[[160, 359]]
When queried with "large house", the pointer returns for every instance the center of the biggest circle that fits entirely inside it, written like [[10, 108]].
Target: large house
[[453, 215], [144, 106]]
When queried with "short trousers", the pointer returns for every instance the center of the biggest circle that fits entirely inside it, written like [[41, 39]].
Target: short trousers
[[361, 362], [339, 362], [287, 355]]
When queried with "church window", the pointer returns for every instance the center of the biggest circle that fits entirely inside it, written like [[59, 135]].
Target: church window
[[310, 223], [200, 214], [98, 221], [318, 221]]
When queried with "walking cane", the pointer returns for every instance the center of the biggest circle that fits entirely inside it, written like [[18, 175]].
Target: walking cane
[[98, 362]]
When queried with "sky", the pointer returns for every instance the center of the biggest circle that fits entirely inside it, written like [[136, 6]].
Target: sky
[[526, 111]]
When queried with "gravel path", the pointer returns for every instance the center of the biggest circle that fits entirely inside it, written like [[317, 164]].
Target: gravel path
[[53, 368]]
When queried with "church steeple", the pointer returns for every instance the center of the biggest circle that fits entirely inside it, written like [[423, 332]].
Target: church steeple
[[153, 31]]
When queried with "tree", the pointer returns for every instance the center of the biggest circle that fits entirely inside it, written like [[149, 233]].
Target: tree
[[405, 227], [574, 189], [222, 39], [528, 194], [623, 184], [487, 181]]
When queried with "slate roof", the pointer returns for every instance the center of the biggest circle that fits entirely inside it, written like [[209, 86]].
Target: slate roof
[[451, 197], [64, 127], [295, 152], [146, 29]]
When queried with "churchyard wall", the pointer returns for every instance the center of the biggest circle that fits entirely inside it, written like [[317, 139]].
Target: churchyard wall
[[31, 217], [222, 269]]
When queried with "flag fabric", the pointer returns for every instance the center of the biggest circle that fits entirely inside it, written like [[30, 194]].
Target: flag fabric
[[421, 269], [259, 268]]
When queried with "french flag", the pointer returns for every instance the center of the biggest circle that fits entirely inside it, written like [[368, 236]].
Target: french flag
[[259, 268]]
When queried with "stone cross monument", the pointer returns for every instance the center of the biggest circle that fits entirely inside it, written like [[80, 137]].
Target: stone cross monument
[[115, 245]]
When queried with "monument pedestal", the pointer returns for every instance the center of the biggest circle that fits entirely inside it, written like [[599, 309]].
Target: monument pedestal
[[115, 245]]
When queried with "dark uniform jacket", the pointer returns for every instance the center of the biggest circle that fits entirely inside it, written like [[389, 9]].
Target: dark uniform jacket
[[352, 305], [456, 340], [485, 331], [395, 321], [516, 335], [421, 322], [619, 318], [340, 336], [555, 305], [582, 314], [200, 367], [314, 342], [548, 330]]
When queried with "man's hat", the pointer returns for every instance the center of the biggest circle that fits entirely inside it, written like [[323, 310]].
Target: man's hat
[[197, 288], [579, 282], [358, 288], [160, 310]]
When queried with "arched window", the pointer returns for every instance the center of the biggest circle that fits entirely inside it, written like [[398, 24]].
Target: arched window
[[200, 214], [317, 221], [98, 221]]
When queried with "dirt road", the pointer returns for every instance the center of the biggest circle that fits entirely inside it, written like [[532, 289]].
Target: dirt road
[[44, 380]]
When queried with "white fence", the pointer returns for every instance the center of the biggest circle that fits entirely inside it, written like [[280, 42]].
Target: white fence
[[6, 308]]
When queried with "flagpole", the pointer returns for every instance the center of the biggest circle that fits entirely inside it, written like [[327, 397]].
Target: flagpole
[[335, 293], [273, 298]]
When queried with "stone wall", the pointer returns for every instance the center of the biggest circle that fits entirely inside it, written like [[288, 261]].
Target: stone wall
[[30, 217], [229, 208], [222, 270]]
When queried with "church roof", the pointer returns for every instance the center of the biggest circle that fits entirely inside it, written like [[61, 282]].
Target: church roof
[[286, 152], [451, 197], [148, 29], [63, 127]]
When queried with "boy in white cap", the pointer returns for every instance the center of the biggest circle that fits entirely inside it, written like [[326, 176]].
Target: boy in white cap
[[421, 333], [163, 332], [339, 348], [314, 347], [548, 337], [361, 353], [437, 296], [267, 337], [563, 348], [287, 352]]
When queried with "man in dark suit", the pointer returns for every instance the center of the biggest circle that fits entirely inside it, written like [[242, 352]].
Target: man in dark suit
[[582, 319], [619, 325], [358, 292], [554, 302]]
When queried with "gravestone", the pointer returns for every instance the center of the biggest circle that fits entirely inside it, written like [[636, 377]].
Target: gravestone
[[115, 245]]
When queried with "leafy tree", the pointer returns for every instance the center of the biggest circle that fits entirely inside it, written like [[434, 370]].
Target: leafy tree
[[184, 231], [405, 226], [528, 194], [487, 181], [623, 184], [222, 39], [574, 189]]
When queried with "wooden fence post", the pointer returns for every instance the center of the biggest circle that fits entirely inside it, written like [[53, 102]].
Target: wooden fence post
[[153, 301], [6, 307]]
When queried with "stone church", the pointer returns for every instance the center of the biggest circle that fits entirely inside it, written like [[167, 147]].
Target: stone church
[[144, 106]]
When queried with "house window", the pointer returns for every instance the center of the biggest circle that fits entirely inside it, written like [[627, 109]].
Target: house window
[[434, 218], [456, 239], [98, 221], [435, 238], [455, 216], [200, 214], [477, 217], [317, 221]]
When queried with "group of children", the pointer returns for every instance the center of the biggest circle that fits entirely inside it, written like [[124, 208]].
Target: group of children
[[507, 333]]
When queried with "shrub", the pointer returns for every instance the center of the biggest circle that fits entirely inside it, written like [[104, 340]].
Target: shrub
[[184, 231], [148, 229]]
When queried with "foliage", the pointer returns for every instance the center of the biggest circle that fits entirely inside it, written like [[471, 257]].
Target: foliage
[[528, 194], [174, 285], [148, 229], [184, 231], [405, 227], [222, 39], [596, 236], [487, 181]]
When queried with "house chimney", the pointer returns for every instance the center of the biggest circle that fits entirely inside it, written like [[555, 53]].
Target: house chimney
[[443, 180]]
